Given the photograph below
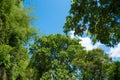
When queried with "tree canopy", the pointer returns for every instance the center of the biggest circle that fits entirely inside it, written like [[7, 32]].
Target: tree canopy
[[51, 56], [114, 71], [60, 57], [15, 32], [14, 23], [101, 19]]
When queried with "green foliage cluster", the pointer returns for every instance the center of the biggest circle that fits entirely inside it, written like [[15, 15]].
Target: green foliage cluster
[[52, 57], [62, 58], [15, 32], [114, 71], [101, 19], [14, 23]]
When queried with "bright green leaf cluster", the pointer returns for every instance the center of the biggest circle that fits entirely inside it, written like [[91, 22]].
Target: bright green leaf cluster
[[60, 57], [15, 32]]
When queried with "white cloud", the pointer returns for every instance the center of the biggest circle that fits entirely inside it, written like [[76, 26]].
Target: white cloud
[[86, 42], [72, 34], [115, 52]]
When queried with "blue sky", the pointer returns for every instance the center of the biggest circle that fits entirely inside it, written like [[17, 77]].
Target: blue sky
[[50, 14], [50, 18]]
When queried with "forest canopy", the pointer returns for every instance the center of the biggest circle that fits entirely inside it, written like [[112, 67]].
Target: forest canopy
[[58, 56]]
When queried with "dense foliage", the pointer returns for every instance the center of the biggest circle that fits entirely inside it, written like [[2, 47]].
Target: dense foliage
[[114, 71], [15, 31], [52, 57], [101, 19], [14, 23], [59, 57]]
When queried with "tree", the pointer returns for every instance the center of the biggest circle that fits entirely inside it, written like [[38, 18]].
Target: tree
[[114, 71], [4, 60], [101, 19], [92, 65], [15, 32], [59, 57], [19, 59], [14, 23], [52, 56], [58, 73], [13, 62]]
